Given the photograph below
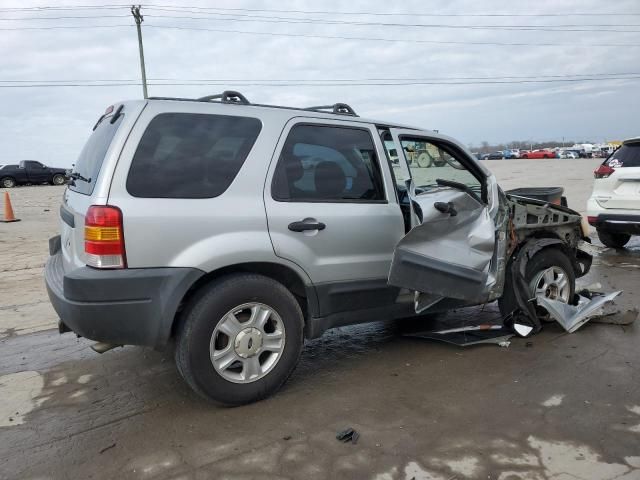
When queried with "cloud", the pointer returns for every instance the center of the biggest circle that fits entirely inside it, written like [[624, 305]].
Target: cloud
[[51, 124]]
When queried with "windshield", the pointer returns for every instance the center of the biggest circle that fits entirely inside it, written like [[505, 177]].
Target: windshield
[[92, 155]]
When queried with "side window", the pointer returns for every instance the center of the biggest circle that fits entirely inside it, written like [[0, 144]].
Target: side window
[[429, 162], [328, 164], [185, 155]]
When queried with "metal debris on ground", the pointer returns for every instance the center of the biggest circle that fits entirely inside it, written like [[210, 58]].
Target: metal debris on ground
[[572, 317], [468, 335], [347, 435]]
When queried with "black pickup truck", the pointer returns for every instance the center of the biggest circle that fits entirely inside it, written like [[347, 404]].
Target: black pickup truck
[[30, 171]]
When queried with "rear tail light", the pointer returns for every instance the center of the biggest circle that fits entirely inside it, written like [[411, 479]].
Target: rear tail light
[[603, 171], [104, 237], [592, 220]]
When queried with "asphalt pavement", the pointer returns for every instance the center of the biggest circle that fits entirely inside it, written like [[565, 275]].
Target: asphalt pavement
[[554, 406]]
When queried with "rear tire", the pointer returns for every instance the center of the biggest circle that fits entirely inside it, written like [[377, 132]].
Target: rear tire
[[613, 240], [545, 259], [8, 182], [245, 370], [58, 179]]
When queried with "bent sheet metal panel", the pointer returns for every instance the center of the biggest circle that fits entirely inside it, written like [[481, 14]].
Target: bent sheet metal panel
[[446, 255], [572, 317]]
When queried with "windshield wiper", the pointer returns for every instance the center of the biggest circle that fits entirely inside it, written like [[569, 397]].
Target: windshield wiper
[[77, 176]]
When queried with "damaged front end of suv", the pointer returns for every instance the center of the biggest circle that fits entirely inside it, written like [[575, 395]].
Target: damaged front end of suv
[[526, 248]]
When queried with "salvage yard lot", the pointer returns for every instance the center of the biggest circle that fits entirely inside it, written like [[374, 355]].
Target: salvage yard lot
[[554, 404]]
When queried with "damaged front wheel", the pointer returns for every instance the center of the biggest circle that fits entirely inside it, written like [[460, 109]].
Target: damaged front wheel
[[549, 273]]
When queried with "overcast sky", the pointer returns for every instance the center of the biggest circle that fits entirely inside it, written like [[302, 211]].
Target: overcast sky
[[51, 124]]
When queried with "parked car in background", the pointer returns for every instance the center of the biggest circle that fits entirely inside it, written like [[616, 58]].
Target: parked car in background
[[543, 153], [30, 171], [614, 206], [515, 153], [495, 156], [567, 154]]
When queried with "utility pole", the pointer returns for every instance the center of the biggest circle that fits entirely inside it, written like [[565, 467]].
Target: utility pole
[[135, 11]]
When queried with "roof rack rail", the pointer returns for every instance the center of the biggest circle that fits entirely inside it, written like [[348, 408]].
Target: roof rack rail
[[339, 108], [228, 96]]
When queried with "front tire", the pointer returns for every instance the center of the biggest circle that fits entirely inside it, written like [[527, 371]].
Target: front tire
[[8, 182], [58, 179], [613, 240], [549, 272], [240, 339]]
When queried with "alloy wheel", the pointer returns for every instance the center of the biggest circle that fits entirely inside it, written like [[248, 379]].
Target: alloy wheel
[[247, 343]]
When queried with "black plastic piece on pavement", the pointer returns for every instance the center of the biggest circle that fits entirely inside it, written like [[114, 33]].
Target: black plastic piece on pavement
[[347, 435]]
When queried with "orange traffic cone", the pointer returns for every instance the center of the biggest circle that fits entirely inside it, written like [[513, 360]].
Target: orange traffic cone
[[8, 210]]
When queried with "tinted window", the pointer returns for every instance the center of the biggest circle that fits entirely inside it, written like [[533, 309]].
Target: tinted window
[[321, 163], [627, 155], [184, 155], [92, 155]]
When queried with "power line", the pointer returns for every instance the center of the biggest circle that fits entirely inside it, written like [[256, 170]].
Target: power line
[[293, 20], [84, 17], [315, 80], [388, 14], [374, 39], [334, 37], [295, 84], [317, 12], [63, 27], [319, 21], [272, 19]]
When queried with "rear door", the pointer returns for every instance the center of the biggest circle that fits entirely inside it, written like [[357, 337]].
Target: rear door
[[332, 209], [621, 189], [449, 250]]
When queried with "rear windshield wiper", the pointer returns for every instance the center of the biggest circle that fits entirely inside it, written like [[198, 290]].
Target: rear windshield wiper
[[77, 176]]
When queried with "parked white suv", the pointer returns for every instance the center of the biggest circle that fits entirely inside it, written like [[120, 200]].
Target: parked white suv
[[614, 205], [234, 231]]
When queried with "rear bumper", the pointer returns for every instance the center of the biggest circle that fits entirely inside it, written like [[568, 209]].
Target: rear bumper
[[122, 307], [629, 224]]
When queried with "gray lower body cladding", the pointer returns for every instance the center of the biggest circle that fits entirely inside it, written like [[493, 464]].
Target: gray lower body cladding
[[123, 307]]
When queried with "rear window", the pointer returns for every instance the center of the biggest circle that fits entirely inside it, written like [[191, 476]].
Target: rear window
[[92, 155], [628, 155], [184, 155]]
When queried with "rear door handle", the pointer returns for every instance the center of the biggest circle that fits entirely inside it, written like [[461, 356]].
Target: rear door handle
[[306, 225]]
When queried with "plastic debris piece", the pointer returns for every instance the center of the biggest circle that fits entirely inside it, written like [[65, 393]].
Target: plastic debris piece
[[572, 317], [348, 435]]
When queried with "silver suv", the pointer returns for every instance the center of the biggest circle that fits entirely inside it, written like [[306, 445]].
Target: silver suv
[[234, 231]]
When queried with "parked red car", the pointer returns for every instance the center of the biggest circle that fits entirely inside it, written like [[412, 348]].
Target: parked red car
[[539, 154]]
